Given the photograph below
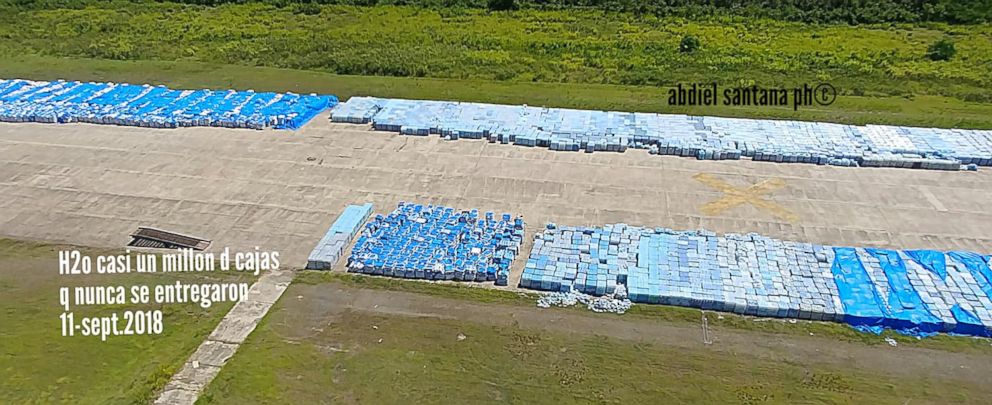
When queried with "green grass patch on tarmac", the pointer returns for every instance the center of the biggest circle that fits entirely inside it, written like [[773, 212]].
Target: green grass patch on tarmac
[[920, 110], [39, 365], [402, 360], [665, 313]]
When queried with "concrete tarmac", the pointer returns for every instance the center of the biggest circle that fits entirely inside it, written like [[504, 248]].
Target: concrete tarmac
[[279, 190]]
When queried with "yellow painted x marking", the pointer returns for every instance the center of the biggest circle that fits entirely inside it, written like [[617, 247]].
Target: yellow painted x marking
[[753, 195]]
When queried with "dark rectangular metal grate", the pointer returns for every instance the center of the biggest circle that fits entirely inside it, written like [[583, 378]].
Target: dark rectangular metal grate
[[157, 238]]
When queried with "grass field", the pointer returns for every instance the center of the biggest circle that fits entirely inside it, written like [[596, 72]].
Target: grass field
[[307, 352], [608, 60], [572, 46], [38, 365], [938, 111], [663, 313]]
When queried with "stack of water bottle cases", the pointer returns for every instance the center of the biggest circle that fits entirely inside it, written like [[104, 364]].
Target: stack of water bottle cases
[[707, 138], [438, 243], [154, 106], [330, 249], [918, 292]]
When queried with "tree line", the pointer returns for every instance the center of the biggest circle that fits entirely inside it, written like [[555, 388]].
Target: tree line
[[809, 11]]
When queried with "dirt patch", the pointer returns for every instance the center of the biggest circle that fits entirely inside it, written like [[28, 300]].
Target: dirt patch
[[316, 306]]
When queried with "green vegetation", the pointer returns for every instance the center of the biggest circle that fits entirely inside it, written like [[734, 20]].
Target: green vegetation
[[936, 111], [813, 11], [502, 5], [677, 315], [885, 73], [343, 356], [688, 44], [39, 365], [577, 46], [941, 50]]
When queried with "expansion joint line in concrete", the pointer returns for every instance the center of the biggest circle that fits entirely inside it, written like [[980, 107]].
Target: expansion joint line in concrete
[[208, 359]]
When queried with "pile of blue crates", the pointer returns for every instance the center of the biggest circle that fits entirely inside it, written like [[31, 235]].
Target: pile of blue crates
[[588, 260], [438, 243], [705, 138], [154, 106], [917, 292], [331, 247], [359, 110]]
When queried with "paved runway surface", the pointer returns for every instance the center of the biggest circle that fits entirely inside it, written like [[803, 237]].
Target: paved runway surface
[[93, 185]]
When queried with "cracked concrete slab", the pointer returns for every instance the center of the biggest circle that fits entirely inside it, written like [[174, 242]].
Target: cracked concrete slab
[[240, 322], [270, 292], [193, 379], [177, 396], [214, 353]]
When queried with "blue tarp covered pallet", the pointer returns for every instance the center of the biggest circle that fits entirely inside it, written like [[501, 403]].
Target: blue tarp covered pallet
[[154, 106], [857, 293], [943, 289], [904, 309], [916, 292], [979, 269]]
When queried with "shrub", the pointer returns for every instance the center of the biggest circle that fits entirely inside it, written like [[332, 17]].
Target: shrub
[[502, 5], [689, 44], [941, 50], [306, 8]]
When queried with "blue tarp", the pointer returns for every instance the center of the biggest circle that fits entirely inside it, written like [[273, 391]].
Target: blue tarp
[[918, 293], [978, 268], [154, 106], [862, 304], [906, 312], [931, 260], [968, 323]]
